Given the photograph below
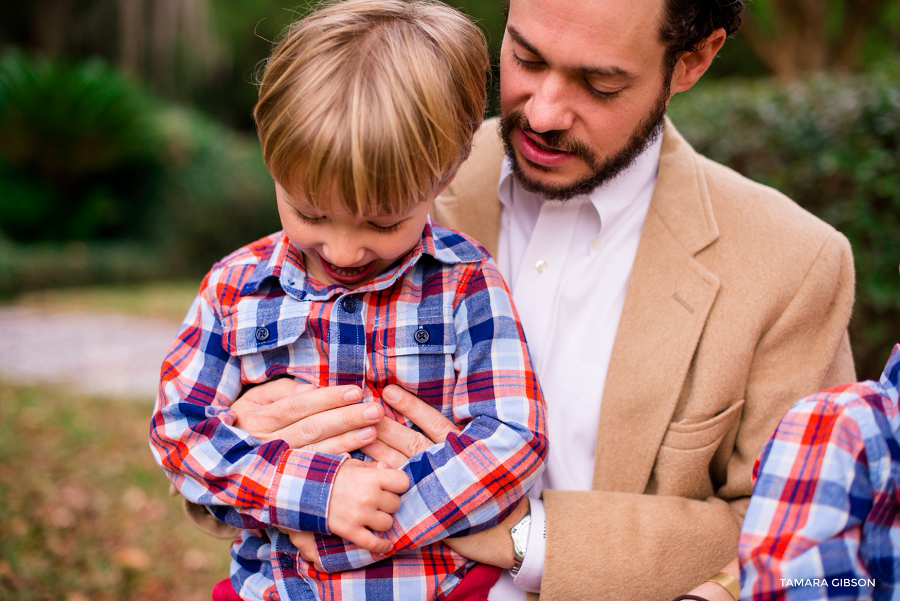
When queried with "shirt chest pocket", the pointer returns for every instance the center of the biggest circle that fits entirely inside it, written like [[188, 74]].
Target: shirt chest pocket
[[416, 349], [270, 343]]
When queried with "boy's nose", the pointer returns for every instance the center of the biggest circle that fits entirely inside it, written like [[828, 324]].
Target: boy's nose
[[343, 253]]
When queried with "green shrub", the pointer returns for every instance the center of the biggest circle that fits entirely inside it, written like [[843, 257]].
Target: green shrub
[[79, 151], [833, 145], [216, 194]]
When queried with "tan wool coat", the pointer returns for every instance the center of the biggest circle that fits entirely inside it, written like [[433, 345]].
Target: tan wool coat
[[737, 306]]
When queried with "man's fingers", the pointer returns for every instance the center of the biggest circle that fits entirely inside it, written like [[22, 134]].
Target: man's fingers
[[405, 440], [431, 421], [379, 451], [344, 443], [355, 421], [314, 401], [275, 390]]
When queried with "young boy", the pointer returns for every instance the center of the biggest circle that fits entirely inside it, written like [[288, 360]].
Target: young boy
[[366, 110]]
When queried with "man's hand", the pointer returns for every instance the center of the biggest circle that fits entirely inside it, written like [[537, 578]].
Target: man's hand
[[364, 497], [396, 444], [716, 592], [327, 420]]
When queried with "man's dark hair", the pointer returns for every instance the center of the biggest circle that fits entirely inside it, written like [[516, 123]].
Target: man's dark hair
[[687, 23]]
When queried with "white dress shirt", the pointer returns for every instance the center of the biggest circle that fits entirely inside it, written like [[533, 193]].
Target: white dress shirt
[[567, 264]]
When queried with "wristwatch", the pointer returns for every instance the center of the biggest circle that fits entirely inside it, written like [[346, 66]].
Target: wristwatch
[[519, 534]]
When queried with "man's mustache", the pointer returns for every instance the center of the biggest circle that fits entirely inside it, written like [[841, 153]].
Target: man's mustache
[[555, 138]]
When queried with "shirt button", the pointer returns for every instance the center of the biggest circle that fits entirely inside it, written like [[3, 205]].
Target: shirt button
[[262, 334], [595, 243], [422, 336], [541, 266], [286, 562], [350, 304]]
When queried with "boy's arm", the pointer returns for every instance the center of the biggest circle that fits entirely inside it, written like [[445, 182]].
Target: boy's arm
[[474, 479], [244, 482], [803, 535]]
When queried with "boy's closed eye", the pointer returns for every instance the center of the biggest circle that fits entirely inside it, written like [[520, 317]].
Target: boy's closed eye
[[378, 227]]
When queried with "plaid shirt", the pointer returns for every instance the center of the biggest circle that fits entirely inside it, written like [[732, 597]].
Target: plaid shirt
[[824, 519], [441, 324]]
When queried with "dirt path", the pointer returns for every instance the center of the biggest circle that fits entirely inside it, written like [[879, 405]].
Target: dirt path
[[108, 355]]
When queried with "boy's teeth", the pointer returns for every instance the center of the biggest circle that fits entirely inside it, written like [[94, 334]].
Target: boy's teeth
[[347, 271]]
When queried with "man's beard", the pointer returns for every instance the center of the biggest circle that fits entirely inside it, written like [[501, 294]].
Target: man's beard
[[602, 170]]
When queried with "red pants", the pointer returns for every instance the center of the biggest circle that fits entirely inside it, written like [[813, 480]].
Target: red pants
[[474, 586]]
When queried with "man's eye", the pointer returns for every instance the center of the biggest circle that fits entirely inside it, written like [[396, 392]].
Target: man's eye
[[600, 93], [524, 63]]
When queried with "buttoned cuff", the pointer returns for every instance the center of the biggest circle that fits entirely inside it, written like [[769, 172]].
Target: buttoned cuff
[[301, 491], [532, 570]]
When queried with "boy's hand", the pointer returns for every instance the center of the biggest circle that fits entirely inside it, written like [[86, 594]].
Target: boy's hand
[[306, 545], [364, 496]]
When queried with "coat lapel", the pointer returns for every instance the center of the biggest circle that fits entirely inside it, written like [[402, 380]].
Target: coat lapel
[[666, 306]]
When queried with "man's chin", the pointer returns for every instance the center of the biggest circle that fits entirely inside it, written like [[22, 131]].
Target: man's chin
[[548, 182]]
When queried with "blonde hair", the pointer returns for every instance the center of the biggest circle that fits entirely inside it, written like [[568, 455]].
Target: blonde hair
[[372, 103]]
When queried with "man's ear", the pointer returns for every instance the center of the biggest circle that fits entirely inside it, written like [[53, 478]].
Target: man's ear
[[691, 66]]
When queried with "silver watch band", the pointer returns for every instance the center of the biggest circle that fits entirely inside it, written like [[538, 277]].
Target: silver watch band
[[519, 534]]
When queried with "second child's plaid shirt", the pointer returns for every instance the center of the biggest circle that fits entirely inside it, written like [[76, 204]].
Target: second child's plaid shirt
[[441, 324], [824, 518]]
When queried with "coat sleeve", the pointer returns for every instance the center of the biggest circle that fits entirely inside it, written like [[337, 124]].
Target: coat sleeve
[[642, 546]]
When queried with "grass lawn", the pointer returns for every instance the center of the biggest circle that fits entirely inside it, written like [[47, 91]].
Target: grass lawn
[[86, 514], [165, 300]]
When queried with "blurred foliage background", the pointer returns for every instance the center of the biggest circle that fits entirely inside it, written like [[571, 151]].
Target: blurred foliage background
[[127, 151]]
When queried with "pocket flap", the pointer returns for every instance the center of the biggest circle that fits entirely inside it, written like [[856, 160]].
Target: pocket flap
[[258, 329], [415, 332], [695, 435]]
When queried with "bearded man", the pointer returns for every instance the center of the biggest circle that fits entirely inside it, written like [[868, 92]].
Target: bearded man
[[674, 309]]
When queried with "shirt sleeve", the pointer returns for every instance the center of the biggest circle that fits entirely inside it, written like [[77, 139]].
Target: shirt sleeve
[[801, 535], [245, 483], [474, 479]]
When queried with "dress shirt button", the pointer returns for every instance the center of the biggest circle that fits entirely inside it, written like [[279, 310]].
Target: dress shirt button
[[422, 336], [541, 266], [350, 304], [262, 334], [595, 243], [286, 562]]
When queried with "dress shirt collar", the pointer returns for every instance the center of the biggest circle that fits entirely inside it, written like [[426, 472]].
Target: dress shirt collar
[[610, 200]]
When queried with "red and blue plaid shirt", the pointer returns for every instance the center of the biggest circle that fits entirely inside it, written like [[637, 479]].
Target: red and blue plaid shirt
[[441, 324], [824, 518]]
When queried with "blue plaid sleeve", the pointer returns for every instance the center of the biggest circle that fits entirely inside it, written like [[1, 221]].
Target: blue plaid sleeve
[[820, 481], [245, 483]]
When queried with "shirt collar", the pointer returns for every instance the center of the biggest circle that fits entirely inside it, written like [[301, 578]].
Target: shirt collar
[[285, 264], [610, 200]]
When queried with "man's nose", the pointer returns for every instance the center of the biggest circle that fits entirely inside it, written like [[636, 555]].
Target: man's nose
[[343, 251], [548, 107]]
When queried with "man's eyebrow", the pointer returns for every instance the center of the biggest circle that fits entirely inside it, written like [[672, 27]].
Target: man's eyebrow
[[617, 72], [519, 39]]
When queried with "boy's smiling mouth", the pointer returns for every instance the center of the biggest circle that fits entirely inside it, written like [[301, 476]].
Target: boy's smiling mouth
[[348, 276]]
